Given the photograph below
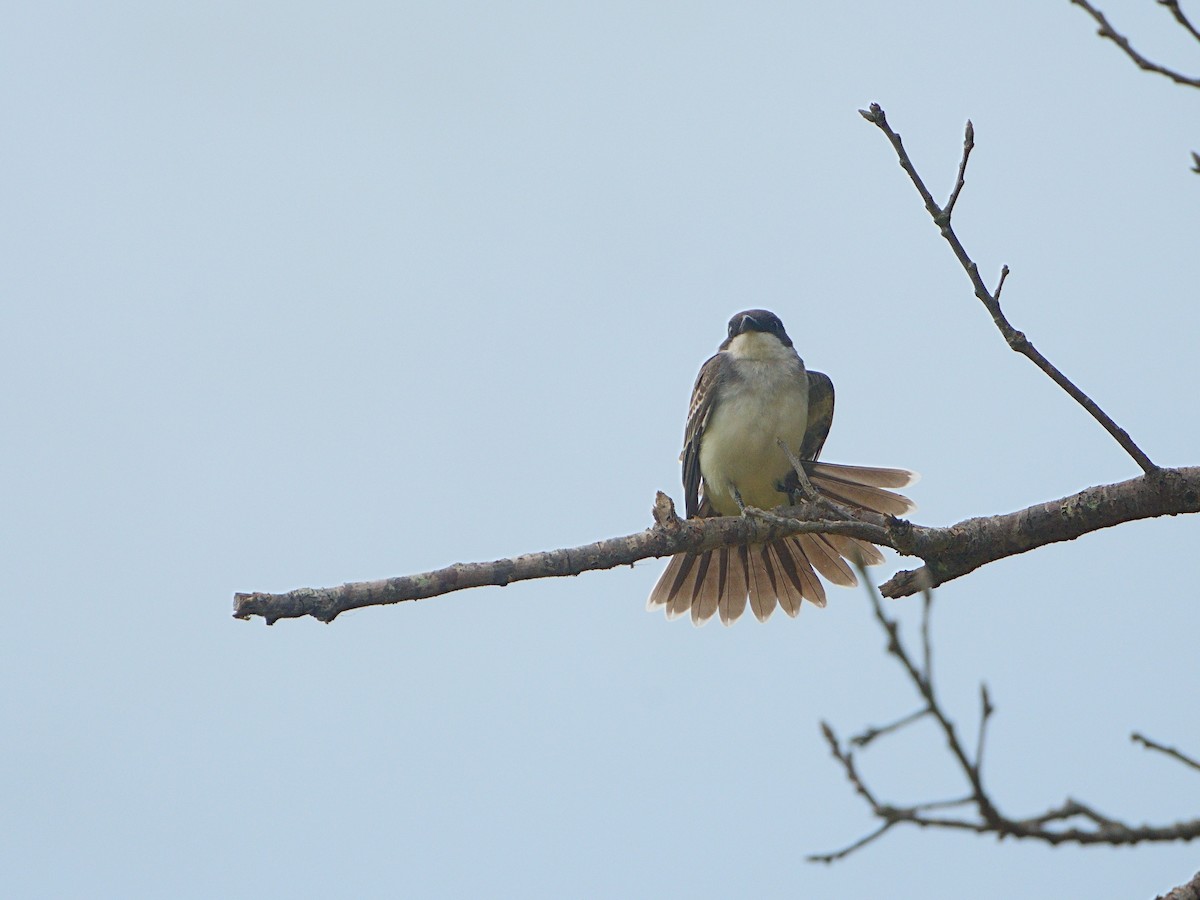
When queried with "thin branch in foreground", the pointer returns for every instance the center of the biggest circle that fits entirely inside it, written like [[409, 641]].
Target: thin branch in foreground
[[985, 713], [871, 732], [1167, 751], [1106, 30], [984, 816], [1015, 339], [857, 845], [926, 644]]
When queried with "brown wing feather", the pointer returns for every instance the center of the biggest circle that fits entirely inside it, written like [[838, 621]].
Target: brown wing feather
[[820, 414], [698, 413]]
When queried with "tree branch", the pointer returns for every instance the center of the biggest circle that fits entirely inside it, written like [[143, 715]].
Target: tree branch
[[1016, 339], [1106, 30], [987, 819], [669, 536], [948, 553], [952, 552], [1180, 17]]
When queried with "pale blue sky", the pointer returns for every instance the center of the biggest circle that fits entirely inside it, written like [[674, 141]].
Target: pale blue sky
[[300, 293]]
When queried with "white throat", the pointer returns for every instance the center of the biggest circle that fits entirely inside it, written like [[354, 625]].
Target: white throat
[[758, 345]]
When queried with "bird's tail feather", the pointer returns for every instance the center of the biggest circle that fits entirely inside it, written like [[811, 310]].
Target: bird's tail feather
[[863, 486], [782, 572]]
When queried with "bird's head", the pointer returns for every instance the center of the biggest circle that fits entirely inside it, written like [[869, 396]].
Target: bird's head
[[753, 332]]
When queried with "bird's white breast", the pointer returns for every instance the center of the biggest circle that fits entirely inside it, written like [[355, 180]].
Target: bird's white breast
[[764, 399]]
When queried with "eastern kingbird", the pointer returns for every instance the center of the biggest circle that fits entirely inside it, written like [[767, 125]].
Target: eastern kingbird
[[752, 395]]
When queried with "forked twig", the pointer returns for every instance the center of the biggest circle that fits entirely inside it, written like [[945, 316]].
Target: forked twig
[[984, 816], [1015, 339]]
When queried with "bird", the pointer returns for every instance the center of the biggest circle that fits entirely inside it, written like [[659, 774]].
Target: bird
[[755, 409]]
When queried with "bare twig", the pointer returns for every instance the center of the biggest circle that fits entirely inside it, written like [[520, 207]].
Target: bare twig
[[925, 688], [861, 842], [985, 713], [948, 553], [1162, 748], [846, 758], [874, 731], [1180, 17], [983, 816], [1015, 339], [807, 491], [968, 146], [1106, 30], [926, 645]]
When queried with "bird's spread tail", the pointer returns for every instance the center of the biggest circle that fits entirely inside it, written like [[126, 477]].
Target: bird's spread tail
[[783, 572]]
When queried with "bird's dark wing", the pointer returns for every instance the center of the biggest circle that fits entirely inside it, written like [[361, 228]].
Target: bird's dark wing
[[701, 408], [820, 414]]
